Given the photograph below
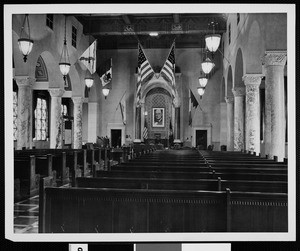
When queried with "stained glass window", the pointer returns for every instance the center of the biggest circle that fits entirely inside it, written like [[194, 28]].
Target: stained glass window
[[15, 114], [41, 119]]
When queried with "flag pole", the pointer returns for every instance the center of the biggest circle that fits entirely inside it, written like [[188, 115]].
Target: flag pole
[[120, 100], [168, 56]]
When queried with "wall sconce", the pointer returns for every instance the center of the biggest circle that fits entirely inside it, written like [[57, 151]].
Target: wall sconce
[[25, 44], [64, 62]]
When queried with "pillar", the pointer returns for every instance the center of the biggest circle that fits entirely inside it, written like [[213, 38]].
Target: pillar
[[239, 99], [230, 122], [24, 122], [177, 103], [92, 121], [56, 118], [252, 123], [177, 125], [138, 124], [77, 132], [274, 62]]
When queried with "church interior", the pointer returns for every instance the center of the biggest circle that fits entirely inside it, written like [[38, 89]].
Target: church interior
[[149, 122]]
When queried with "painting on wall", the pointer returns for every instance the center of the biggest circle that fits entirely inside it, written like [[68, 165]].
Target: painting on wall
[[158, 117]]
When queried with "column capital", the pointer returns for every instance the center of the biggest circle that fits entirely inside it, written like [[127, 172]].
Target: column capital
[[77, 100], [252, 79], [85, 100], [274, 58], [24, 81], [229, 99], [177, 101], [238, 91], [56, 92]]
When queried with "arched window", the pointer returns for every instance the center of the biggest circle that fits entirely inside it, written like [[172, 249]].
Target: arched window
[[15, 109], [64, 110], [41, 117]]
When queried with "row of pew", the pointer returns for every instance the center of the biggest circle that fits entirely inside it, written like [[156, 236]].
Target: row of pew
[[63, 165], [172, 191]]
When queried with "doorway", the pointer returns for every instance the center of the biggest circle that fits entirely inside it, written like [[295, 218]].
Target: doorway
[[116, 136], [201, 139]]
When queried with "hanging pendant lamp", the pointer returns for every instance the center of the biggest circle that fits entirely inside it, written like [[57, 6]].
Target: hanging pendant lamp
[[213, 40], [89, 80], [25, 44], [64, 62], [207, 65]]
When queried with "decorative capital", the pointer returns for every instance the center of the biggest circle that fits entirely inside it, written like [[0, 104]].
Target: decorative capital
[[77, 100], [229, 100], [274, 58], [56, 92], [176, 100], [24, 81], [238, 91], [252, 79]]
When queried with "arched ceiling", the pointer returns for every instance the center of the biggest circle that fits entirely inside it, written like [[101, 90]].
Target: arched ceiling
[[116, 31]]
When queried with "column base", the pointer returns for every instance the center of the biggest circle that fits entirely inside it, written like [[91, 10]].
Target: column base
[[137, 141]]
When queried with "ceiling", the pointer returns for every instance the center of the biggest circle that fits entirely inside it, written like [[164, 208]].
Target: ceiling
[[119, 31]]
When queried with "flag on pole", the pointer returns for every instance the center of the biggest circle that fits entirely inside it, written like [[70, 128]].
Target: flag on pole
[[105, 72], [192, 102], [88, 58], [168, 69], [145, 131], [144, 67], [122, 105]]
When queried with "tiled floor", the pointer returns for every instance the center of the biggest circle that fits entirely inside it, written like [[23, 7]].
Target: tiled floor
[[26, 214]]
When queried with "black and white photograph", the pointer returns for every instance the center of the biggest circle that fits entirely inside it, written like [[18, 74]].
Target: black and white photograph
[[175, 124]]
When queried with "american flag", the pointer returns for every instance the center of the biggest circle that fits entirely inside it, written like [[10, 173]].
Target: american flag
[[145, 131], [144, 68], [169, 66]]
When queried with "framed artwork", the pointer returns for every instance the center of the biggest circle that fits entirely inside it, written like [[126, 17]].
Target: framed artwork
[[158, 117]]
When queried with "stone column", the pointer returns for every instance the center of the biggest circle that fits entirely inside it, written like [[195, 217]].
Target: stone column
[[252, 123], [230, 122], [274, 62], [24, 121], [138, 124], [56, 118], [77, 132], [239, 118], [177, 125]]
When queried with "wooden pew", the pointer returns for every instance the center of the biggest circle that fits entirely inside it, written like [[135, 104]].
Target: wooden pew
[[192, 175], [82, 210], [25, 177], [93, 210], [184, 184], [195, 168]]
